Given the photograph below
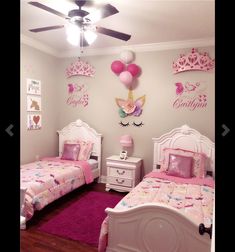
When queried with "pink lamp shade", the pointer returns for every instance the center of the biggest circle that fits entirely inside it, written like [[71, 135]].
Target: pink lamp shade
[[126, 141]]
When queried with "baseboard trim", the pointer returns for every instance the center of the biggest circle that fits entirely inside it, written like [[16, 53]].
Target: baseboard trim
[[103, 179]]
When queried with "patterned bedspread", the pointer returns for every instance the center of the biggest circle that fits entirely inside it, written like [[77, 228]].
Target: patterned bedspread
[[47, 180], [192, 197]]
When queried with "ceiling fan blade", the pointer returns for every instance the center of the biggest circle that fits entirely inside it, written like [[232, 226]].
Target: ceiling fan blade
[[112, 33], [47, 28], [46, 8], [102, 12]]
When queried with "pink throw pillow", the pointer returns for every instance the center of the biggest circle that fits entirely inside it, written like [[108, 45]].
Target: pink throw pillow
[[70, 151], [85, 150], [199, 160], [180, 166]]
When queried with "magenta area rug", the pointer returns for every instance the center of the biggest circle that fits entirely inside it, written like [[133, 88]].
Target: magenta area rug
[[82, 220]]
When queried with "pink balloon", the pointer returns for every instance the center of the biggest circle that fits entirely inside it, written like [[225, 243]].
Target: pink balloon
[[126, 78], [133, 69], [117, 66]]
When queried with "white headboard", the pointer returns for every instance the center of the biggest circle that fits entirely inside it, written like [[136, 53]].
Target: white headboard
[[184, 138], [81, 130]]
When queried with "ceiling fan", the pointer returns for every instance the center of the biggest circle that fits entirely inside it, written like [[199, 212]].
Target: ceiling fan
[[83, 20]]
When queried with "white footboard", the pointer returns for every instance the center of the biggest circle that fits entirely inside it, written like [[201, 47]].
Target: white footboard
[[154, 228]]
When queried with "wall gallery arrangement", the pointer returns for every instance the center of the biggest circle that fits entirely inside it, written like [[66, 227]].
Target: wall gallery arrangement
[[34, 116]]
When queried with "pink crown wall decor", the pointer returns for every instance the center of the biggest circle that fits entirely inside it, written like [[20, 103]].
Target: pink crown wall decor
[[193, 61], [80, 68]]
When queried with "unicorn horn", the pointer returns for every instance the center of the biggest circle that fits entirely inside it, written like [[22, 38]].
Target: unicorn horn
[[130, 95]]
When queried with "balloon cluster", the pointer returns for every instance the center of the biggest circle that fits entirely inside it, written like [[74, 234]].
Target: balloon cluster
[[126, 71]]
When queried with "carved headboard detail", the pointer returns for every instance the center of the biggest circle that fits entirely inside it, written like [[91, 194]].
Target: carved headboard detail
[[186, 138]]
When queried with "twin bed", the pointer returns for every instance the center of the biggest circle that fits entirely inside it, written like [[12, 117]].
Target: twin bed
[[52, 177], [162, 213]]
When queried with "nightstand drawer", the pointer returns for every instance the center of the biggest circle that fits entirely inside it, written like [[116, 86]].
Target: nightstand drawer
[[121, 173], [120, 181]]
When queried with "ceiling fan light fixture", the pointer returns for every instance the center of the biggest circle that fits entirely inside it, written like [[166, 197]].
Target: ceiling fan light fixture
[[90, 36], [73, 34], [76, 20]]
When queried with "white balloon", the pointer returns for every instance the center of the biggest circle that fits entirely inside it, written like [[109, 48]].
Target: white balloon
[[127, 56]]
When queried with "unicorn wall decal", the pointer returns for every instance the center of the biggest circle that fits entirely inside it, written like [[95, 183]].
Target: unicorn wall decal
[[127, 73], [130, 106]]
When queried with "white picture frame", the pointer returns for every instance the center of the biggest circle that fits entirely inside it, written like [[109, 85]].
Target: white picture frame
[[33, 87], [34, 121], [123, 155], [34, 103]]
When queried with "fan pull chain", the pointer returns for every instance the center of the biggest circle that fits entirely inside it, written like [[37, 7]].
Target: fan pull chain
[[82, 34]]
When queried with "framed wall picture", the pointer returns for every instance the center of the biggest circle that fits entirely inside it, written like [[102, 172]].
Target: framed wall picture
[[33, 103], [33, 87], [34, 121]]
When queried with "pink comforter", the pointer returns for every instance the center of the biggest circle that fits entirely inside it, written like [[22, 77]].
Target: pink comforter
[[194, 197], [49, 179]]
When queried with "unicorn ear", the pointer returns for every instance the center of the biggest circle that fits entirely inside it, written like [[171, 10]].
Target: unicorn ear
[[120, 102], [140, 101]]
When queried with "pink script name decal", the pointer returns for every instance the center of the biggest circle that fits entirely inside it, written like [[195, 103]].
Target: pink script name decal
[[190, 96], [77, 95]]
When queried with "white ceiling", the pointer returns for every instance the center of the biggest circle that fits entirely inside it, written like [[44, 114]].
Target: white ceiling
[[148, 22]]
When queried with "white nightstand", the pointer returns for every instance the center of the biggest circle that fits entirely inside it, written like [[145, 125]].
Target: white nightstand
[[122, 175]]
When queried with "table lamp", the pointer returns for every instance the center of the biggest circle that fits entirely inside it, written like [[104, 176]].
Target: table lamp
[[126, 142]]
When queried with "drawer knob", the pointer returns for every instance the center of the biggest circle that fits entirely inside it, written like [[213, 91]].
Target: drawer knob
[[203, 229], [120, 172], [120, 182]]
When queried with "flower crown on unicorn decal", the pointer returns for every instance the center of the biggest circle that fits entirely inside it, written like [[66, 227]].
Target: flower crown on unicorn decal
[[130, 106]]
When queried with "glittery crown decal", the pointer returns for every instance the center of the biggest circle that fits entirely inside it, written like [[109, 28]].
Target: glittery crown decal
[[193, 61], [80, 68]]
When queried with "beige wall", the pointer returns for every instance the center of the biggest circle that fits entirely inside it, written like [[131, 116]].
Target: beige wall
[[157, 82], [40, 66]]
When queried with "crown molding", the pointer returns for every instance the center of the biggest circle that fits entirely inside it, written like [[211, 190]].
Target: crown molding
[[38, 45], [171, 45]]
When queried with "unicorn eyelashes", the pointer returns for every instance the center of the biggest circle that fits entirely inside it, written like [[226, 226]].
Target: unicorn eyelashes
[[138, 124], [124, 124], [133, 123]]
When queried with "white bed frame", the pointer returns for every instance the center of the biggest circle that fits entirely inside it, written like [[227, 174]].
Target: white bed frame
[[156, 227], [81, 130]]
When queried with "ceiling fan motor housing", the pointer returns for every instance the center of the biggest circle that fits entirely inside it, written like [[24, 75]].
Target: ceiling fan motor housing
[[77, 13], [80, 3]]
